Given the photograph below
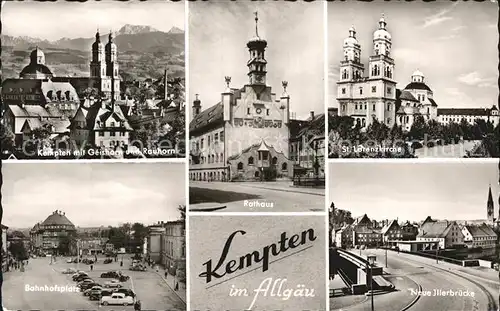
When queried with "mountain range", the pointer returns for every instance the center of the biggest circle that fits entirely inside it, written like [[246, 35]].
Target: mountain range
[[139, 47]]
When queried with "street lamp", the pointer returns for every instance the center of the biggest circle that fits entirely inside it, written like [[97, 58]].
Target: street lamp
[[370, 262]]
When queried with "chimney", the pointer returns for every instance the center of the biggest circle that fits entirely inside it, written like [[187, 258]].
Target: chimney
[[166, 84], [312, 115], [196, 106]]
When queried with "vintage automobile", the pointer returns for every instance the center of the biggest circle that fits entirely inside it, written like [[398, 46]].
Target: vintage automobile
[[138, 268], [113, 284], [86, 286], [117, 299], [69, 271], [111, 274], [93, 290], [108, 260]]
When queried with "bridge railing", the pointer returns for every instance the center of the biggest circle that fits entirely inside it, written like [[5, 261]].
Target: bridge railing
[[433, 256]]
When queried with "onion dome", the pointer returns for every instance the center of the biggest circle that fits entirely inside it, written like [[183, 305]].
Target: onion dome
[[256, 42], [97, 43], [381, 32], [351, 40]]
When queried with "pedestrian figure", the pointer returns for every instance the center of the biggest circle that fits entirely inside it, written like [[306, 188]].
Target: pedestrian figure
[[91, 267], [177, 286], [137, 305], [121, 263], [166, 274], [157, 269]]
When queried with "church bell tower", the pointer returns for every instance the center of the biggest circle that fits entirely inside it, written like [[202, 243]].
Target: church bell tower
[[257, 63], [489, 207]]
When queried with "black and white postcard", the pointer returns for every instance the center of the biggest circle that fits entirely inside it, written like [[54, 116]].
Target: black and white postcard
[[257, 263], [256, 134], [413, 79], [92, 80], [414, 236], [97, 236]]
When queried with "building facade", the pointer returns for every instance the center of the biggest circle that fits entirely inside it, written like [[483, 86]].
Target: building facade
[[246, 135], [49, 236], [481, 236], [371, 97], [409, 231], [4, 249], [391, 232], [366, 233], [154, 242], [447, 234], [174, 248]]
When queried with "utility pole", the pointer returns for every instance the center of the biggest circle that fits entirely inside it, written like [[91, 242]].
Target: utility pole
[[386, 256]]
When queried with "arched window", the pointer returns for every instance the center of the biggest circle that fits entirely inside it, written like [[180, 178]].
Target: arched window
[[256, 174], [49, 95], [275, 161], [240, 165], [284, 166], [250, 161], [363, 122]]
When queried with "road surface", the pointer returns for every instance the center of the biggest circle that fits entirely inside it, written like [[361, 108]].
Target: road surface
[[257, 196], [148, 286], [426, 275]]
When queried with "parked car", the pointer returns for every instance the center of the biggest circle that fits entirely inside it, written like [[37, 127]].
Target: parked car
[[99, 295], [108, 260], [93, 290], [126, 291], [113, 284], [86, 286], [69, 271], [80, 277], [123, 278], [117, 299], [138, 268], [111, 275], [86, 281], [69, 260]]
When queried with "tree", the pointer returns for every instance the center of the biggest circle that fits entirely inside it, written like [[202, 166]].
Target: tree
[[418, 128], [91, 92], [140, 232], [182, 211], [18, 250], [8, 138]]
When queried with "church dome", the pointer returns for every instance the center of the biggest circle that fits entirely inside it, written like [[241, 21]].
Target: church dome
[[381, 32], [418, 86], [417, 73], [37, 56], [256, 42], [36, 68], [351, 40]]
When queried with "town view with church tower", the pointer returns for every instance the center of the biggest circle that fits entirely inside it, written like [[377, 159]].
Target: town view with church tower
[[120, 94], [258, 144], [411, 86], [422, 227]]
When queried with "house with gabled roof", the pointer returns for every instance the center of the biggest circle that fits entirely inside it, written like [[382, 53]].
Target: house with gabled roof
[[446, 233]]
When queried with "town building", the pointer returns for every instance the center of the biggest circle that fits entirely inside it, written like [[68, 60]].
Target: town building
[[246, 135], [47, 236], [154, 242], [307, 149], [4, 250], [344, 237], [409, 231], [481, 236], [371, 97], [391, 232], [366, 233], [84, 109], [91, 245], [173, 253], [446, 233]]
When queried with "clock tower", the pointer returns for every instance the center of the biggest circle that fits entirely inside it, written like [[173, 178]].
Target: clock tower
[[257, 62]]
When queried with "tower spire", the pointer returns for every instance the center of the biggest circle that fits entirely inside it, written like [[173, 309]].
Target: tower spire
[[489, 205], [256, 23]]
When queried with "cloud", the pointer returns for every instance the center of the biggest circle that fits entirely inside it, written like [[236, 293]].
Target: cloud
[[437, 18], [474, 78]]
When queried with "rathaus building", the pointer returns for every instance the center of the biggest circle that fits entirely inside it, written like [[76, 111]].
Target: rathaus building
[[372, 95], [245, 136]]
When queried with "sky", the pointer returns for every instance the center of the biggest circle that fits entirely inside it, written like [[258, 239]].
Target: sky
[[62, 19], [453, 43], [92, 194], [219, 32], [413, 191]]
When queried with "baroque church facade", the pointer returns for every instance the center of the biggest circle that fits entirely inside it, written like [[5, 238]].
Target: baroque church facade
[[245, 136], [374, 96]]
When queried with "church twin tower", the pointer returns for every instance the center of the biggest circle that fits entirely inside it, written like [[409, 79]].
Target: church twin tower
[[372, 96], [104, 66]]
